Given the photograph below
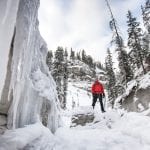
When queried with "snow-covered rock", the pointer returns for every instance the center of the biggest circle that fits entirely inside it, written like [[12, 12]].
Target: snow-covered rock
[[137, 95], [22, 137], [82, 116], [78, 69]]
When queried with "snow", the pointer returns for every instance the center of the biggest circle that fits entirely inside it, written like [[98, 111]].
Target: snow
[[138, 72], [19, 138], [144, 81], [141, 107], [135, 99], [109, 131], [82, 110], [99, 70], [77, 92], [130, 86], [112, 132], [42, 85], [135, 125]]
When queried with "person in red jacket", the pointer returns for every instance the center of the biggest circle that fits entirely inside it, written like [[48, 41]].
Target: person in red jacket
[[98, 93]]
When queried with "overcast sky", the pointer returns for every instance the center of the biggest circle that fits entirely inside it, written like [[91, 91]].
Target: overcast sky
[[83, 24]]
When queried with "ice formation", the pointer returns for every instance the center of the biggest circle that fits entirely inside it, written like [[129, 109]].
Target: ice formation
[[28, 91]]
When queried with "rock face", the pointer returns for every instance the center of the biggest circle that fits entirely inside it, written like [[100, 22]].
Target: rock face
[[78, 69], [138, 100], [147, 61], [82, 119], [82, 116], [27, 92], [137, 96]]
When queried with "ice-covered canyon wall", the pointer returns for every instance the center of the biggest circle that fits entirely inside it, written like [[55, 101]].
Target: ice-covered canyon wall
[[27, 90], [136, 97]]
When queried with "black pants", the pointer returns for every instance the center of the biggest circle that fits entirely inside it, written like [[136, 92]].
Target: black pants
[[95, 97]]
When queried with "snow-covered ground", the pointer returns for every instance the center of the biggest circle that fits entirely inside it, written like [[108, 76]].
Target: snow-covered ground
[[77, 94], [113, 130], [109, 131]]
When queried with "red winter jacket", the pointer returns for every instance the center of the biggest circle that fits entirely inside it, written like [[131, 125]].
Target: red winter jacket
[[97, 88]]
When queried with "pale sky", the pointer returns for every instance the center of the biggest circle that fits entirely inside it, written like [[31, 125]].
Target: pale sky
[[83, 24]]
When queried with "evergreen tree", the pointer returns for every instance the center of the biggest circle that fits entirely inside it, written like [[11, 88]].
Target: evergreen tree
[[78, 56], [72, 55], [66, 54], [146, 20], [100, 65], [89, 61], [59, 54], [65, 79], [83, 56], [49, 60], [94, 65], [146, 44], [124, 66], [111, 79], [134, 41], [59, 74], [119, 86], [146, 15]]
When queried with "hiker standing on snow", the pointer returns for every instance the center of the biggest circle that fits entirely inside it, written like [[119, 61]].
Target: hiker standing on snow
[[98, 93]]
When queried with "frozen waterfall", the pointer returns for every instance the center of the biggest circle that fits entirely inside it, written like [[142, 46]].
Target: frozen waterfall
[[27, 90]]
